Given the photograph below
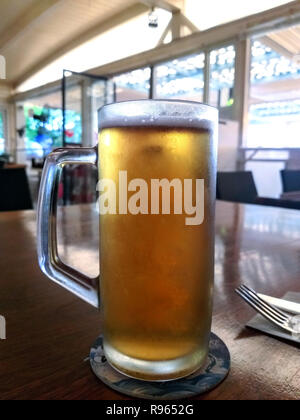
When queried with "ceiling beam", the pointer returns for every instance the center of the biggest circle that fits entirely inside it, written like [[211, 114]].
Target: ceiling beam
[[37, 10], [6, 90], [175, 26], [96, 30], [5, 83], [161, 4]]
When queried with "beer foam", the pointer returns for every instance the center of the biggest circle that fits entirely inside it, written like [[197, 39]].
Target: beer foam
[[158, 113]]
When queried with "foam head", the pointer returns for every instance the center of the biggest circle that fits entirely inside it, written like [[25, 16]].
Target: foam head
[[151, 113]]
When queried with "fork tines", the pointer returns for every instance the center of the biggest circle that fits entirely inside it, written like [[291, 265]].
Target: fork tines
[[265, 309]]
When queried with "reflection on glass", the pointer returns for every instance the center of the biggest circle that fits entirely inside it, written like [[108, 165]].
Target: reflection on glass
[[78, 243], [133, 85], [222, 73], [181, 78]]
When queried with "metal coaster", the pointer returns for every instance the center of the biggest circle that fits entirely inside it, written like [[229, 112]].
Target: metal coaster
[[205, 379]]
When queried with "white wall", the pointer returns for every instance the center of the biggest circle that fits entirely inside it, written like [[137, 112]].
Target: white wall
[[5, 92], [228, 145]]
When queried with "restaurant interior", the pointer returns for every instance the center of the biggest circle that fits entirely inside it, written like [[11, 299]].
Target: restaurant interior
[[61, 61]]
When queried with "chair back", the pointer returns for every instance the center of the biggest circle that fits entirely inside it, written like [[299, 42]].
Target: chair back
[[290, 180], [236, 186], [14, 190]]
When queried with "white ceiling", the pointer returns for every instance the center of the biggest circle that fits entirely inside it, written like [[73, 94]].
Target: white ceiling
[[36, 30], [35, 33]]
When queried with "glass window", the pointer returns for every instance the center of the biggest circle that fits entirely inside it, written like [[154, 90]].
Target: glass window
[[222, 73], [73, 114], [42, 129], [133, 85], [274, 114], [2, 133], [182, 78], [43, 121], [274, 108]]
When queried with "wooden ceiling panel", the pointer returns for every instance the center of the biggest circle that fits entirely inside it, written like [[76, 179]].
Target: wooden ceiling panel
[[288, 39], [52, 24], [12, 10]]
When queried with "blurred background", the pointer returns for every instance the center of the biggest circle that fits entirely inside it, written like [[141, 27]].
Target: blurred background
[[64, 59]]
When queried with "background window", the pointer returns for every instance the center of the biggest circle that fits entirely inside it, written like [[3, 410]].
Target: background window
[[42, 131], [274, 114], [181, 78], [222, 73], [274, 109], [133, 85]]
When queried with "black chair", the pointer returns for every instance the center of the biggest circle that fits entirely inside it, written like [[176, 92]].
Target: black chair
[[2, 163], [290, 180], [236, 186], [14, 190], [240, 187]]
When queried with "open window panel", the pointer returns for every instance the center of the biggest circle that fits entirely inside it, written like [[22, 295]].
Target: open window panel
[[82, 96]]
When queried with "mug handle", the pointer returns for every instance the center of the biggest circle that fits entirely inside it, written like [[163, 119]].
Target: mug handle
[[82, 286]]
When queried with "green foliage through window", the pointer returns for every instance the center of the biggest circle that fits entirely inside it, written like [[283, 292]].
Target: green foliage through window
[[43, 129]]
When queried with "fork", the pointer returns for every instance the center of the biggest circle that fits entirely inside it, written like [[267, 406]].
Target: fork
[[277, 317]]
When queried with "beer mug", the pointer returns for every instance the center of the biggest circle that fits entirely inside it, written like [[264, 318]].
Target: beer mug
[[157, 174]]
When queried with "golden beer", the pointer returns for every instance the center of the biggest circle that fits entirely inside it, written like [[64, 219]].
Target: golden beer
[[157, 174], [157, 272]]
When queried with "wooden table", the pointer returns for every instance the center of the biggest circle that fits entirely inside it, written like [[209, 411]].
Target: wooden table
[[292, 196], [14, 166], [49, 331]]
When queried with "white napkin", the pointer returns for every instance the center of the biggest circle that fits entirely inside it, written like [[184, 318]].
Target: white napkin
[[262, 324]]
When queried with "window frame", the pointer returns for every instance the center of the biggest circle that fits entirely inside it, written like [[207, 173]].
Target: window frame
[[4, 112], [224, 112]]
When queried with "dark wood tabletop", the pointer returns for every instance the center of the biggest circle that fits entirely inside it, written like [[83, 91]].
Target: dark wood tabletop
[[14, 166], [50, 331], [292, 195]]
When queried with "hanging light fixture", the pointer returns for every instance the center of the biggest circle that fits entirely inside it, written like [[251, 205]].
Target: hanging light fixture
[[153, 19]]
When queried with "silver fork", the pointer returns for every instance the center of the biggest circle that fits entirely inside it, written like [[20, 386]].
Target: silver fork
[[277, 317]]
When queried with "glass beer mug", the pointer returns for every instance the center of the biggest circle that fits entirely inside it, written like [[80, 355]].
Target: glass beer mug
[[157, 172]]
